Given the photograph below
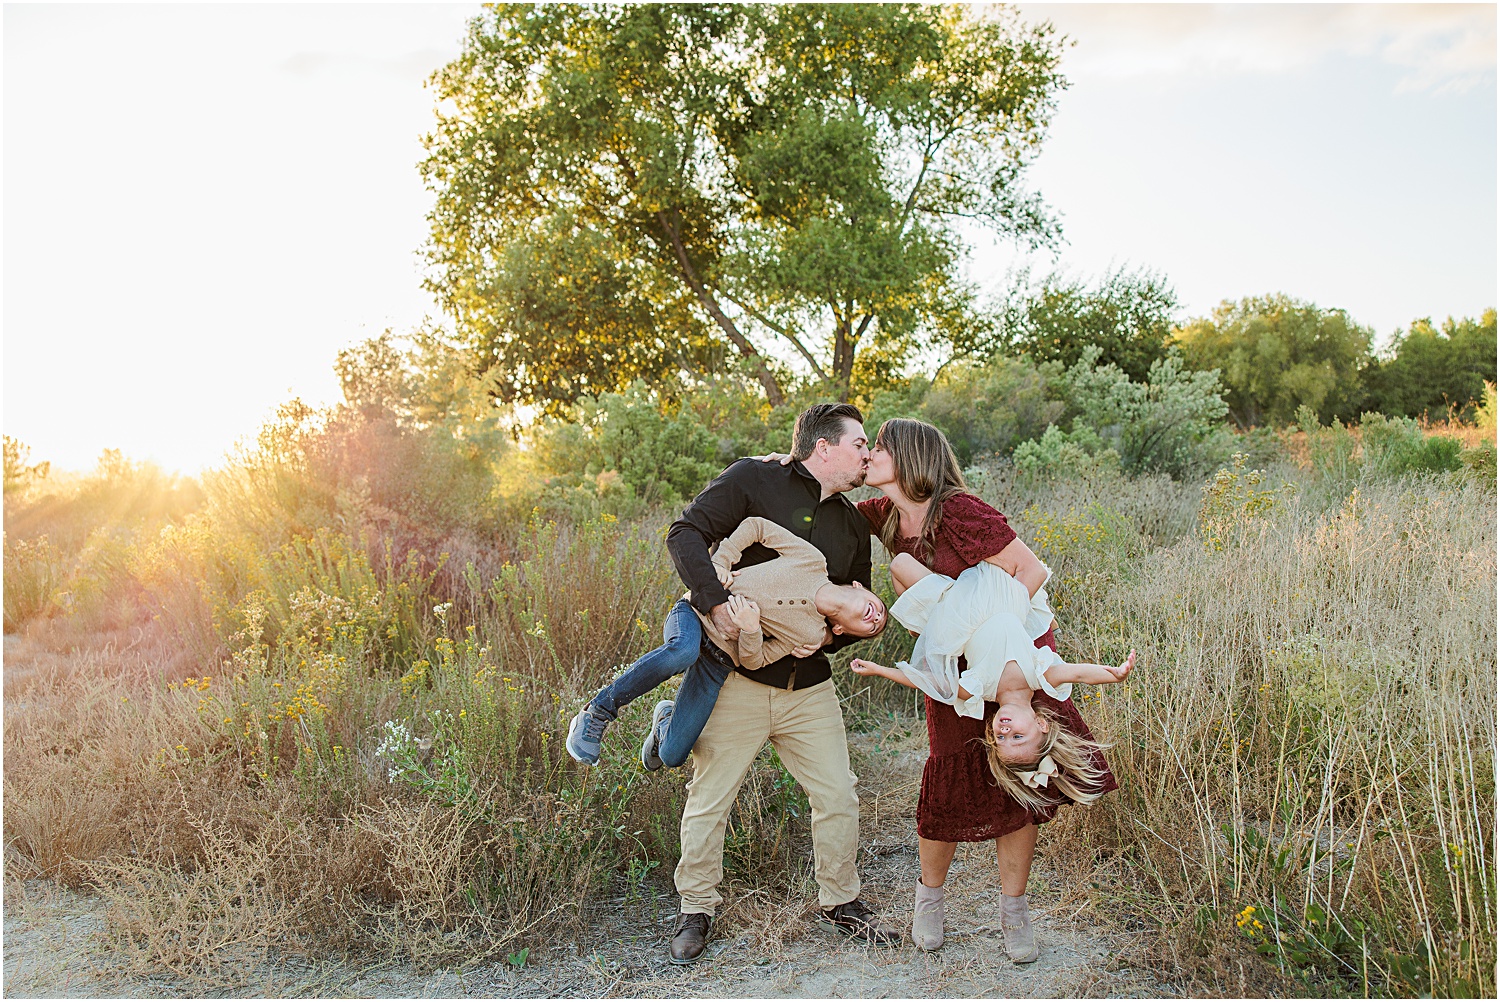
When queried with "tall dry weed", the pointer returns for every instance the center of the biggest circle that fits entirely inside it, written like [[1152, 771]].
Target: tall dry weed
[[1307, 754]]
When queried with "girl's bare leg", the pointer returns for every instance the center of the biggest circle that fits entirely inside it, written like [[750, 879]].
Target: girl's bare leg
[[936, 857], [906, 570], [1015, 852]]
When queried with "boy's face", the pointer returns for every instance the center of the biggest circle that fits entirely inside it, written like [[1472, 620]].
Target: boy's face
[[1018, 733], [861, 614]]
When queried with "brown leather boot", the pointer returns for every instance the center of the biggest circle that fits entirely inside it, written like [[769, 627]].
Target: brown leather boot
[[1015, 923], [856, 920], [690, 936]]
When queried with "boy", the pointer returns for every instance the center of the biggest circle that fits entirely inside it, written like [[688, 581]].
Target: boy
[[783, 606]]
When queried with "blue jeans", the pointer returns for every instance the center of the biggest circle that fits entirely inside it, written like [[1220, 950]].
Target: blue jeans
[[682, 650]]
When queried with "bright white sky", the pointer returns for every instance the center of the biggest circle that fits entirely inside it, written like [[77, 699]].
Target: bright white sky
[[203, 204]]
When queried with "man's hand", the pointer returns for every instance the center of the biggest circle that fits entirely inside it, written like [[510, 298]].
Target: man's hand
[[805, 651], [744, 612], [723, 621]]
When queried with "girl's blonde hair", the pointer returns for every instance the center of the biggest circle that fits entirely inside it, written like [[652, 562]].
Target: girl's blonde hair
[[926, 469], [1079, 776]]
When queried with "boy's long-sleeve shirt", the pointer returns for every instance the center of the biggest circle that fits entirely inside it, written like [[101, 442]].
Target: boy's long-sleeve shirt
[[791, 497], [784, 588]]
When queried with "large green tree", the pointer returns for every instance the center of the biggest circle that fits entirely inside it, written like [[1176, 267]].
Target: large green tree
[[1430, 369], [1127, 315], [645, 190], [1276, 354]]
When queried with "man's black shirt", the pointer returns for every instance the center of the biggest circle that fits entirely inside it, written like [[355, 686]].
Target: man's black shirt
[[788, 496]]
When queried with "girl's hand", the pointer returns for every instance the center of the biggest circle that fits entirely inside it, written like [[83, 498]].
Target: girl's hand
[[1121, 671], [744, 612], [860, 666], [783, 458], [726, 576]]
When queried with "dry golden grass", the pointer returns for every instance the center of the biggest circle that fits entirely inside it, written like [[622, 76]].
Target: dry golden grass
[[1307, 753], [1311, 734]]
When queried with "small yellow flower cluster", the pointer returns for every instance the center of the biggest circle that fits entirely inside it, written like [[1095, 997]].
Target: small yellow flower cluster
[[416, 678], [1248, 923], [200, 684]]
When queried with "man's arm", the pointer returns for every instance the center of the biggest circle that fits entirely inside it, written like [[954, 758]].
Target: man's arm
[[715, 513]]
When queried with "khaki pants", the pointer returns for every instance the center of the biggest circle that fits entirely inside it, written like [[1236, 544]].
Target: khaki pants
[[807, 729]]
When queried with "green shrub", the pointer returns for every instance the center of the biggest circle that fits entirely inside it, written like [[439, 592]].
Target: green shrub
[[1170, 424], [1063, 455], [663, 457], [1396, 445], [987, 409]]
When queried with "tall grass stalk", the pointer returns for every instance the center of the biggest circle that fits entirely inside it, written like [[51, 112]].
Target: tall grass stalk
[[1307, 755]]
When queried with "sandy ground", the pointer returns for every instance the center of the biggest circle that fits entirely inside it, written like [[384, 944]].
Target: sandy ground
[[55, 943]]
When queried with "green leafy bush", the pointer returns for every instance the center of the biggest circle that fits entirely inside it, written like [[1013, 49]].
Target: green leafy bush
[[662, 454], [1170, 424], [1276, 354], [1397, 445], [987, 409]]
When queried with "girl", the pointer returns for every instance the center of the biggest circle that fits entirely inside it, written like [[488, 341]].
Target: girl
[[986, 616]]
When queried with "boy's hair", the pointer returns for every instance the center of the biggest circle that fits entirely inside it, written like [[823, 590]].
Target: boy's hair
[[1079, 775], [825, 421]]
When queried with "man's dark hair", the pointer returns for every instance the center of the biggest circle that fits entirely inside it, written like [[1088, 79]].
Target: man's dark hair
[[825, 421]]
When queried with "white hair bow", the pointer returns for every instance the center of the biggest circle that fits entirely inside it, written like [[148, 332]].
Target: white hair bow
[[1037, 778]]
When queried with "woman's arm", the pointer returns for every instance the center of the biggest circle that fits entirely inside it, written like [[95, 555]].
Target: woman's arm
[[1057, 674], [1019, 562]]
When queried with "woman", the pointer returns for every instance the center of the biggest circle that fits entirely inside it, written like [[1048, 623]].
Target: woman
[[927, 513]]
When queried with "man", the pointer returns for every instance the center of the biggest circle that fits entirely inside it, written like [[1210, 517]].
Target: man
[[790, 702]]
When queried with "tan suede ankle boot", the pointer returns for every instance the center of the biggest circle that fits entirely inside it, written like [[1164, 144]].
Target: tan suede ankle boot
[[927, 917], [1015, 923]]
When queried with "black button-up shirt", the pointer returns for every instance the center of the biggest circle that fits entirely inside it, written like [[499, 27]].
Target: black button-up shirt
[[788, 496]]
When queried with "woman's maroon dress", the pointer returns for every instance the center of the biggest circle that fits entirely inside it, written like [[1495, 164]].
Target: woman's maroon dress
[[960, 801]]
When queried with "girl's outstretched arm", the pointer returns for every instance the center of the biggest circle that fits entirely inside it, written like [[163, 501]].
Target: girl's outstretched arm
[[1091, 674], [860, 666]]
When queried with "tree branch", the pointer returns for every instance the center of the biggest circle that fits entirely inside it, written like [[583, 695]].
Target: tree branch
[[784, 332], [773, 389]]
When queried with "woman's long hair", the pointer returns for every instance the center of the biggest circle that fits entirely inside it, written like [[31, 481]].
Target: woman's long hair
[[926, 468], [1079, 776]]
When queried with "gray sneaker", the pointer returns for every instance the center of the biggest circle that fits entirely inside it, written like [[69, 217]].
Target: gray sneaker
[[586, 734], [660, 718]]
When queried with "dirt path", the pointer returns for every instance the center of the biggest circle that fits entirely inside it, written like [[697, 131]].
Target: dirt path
[[55, 943], [54, 947]]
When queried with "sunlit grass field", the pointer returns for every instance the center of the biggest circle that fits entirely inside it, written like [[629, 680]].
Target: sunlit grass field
[[347, 738]]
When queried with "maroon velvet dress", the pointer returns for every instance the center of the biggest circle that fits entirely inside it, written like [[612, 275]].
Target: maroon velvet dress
[[960, 801]]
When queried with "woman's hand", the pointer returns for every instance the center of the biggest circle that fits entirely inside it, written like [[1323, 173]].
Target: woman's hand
[[745, 613], [783, 458], [726, 576], [860, 666]]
